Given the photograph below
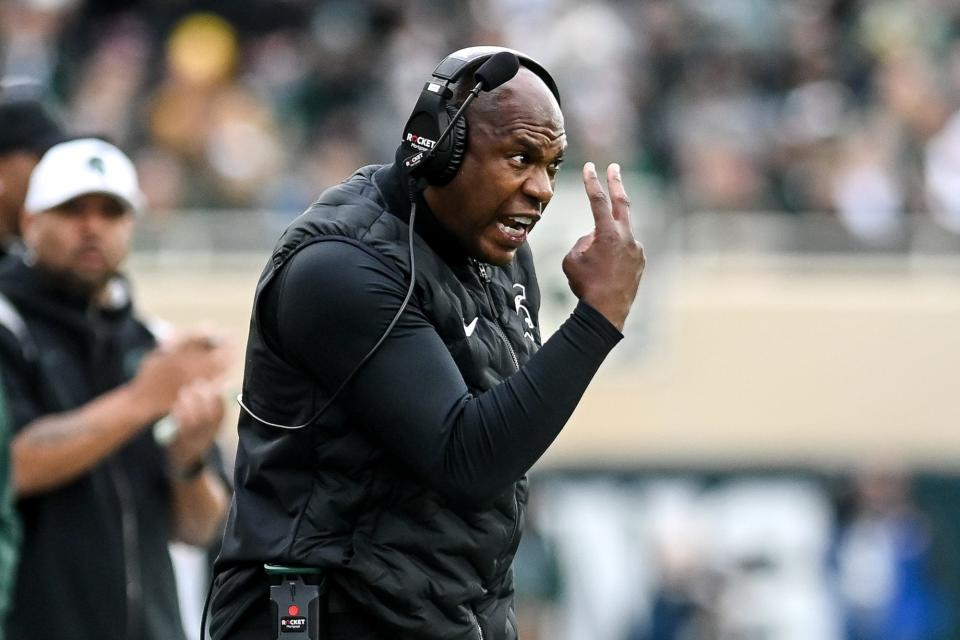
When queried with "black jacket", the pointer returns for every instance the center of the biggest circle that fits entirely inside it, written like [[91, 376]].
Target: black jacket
[[94, 562], [409, 494]]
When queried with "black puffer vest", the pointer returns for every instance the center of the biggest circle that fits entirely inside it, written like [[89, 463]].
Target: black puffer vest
[[328, 496]]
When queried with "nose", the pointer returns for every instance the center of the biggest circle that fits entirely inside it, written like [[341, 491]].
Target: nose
[[91, 219], [539, 186]]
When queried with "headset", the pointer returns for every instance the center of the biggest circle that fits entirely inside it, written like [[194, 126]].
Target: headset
[[431, 150], [424, 150]]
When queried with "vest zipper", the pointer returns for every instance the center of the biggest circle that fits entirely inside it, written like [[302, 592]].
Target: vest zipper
[[476, 623], [126, 500], [485, 278], [516, 520], [131, 547]]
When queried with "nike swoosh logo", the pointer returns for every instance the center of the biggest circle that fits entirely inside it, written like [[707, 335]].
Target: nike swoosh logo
[[470, 328]]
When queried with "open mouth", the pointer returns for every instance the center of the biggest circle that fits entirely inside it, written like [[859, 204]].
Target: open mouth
[[516, 226]]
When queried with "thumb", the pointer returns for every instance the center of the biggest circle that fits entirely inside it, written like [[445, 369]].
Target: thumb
[[582, 244], [573, 257]]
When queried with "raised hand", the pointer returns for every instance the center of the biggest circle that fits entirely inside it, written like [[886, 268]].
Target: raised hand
[[604, 267], [197, 412], [168, 368]]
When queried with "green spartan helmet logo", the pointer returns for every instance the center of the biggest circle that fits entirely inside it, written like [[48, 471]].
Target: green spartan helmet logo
[[96, 163]]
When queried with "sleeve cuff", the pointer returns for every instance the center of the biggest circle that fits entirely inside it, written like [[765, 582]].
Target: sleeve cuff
[[597, 323]]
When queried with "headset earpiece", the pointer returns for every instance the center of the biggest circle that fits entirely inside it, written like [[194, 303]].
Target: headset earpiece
[[449, 157], [429, 118]]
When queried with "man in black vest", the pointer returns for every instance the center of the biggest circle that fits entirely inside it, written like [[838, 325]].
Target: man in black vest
[[100, 493], [388, 421], [28, 127]]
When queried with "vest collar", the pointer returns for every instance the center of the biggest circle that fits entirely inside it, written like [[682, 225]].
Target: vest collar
[[395, 188]]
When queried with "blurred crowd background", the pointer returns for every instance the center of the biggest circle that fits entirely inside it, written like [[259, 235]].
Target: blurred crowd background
[[738, 120], [843, 106]]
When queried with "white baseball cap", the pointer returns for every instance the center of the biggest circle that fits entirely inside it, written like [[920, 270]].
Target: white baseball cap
[[82, 167]]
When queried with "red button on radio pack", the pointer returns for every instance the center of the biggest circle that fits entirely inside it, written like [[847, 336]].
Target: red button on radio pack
[[293, 610]]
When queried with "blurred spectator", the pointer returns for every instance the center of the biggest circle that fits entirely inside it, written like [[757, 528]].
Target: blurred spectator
[[865, 187], [29, 31], [28, 127], [110, 81], [99, 492], [942, 172], [220, 130], [883, 564]]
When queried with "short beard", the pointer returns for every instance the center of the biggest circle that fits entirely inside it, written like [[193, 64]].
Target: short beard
[[73, 285]]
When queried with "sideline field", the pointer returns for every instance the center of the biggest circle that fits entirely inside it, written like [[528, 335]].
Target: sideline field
[[744, 361]]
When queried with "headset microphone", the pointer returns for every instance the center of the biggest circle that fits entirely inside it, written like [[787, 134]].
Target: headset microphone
[[497, 70]]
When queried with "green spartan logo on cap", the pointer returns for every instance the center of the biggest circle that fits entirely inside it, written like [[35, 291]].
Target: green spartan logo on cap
[[96, 163]]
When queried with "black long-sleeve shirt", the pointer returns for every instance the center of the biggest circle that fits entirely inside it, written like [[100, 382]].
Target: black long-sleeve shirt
[[332, 302]]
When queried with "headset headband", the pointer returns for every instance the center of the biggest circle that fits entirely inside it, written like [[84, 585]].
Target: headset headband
[[452, 67]]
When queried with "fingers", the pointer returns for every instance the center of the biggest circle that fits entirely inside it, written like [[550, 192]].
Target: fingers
[[219, 363], [606, 208], [599, 201], [206, 355], [187, 407], [618, 195], [200, 342], [199, 403], [198, 413]]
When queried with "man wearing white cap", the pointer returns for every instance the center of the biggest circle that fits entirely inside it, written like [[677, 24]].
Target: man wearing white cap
[[98, 495]]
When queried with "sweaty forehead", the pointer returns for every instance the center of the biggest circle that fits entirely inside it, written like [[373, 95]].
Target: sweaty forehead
[[525, 103]]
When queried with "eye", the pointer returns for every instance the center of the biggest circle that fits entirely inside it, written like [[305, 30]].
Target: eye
[[521, 159], [554, 166], [114, 209]]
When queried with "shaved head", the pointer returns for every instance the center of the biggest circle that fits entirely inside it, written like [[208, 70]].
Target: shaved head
[[515, 144], [525, 82]]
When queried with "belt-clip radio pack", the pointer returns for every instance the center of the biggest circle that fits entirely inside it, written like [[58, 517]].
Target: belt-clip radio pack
[[295, 603]]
